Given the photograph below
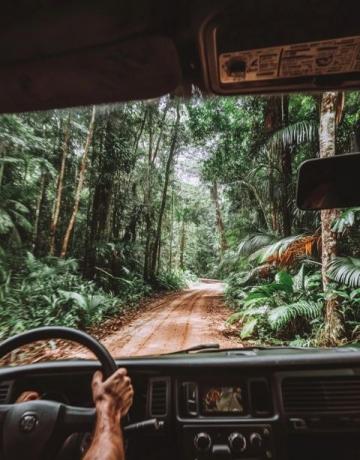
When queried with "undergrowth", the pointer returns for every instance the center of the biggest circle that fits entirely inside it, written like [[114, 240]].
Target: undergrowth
[[51, 291]]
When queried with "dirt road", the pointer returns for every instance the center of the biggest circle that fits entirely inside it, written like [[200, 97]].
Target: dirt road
[[176, 321], [170, 322]]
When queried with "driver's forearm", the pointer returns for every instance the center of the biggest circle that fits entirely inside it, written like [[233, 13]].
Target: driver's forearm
[[107, 443]]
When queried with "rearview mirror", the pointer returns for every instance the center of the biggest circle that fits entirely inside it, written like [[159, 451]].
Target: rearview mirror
[[328, 183]]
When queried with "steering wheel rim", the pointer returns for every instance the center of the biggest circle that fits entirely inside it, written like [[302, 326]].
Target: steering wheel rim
[[65, 333], [37, 429]]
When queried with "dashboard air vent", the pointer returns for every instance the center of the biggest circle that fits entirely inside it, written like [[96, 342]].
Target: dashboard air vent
[[159, 392], [261, 398], [304, 395], [5, 388]]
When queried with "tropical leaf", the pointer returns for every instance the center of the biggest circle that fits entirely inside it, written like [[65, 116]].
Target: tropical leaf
[[256, 299], [313, 282], [264, 253], [281, 316], [248, 328], [6, 222], [21, 221], [287, 251], [253, 243], [255, 311], [345, 270], [345, 221], [11, 160], [79, 299], [299, 280], [285, 280], [235, 317], [295, 134]]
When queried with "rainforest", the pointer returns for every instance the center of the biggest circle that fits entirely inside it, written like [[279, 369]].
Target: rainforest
[[164, 224]]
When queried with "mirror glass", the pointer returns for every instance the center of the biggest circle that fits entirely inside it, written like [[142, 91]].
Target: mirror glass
[[328, 183]]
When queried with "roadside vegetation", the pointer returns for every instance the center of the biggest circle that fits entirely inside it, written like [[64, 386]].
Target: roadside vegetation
[[293, 277], [90, 213], [102, 206]]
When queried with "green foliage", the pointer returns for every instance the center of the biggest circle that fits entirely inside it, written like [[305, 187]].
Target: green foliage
[[280, 317], [241, 145], [345, 270], [174, 280], [52, 292], [253, 243], [277, 310], [345, 221], [297, 133]]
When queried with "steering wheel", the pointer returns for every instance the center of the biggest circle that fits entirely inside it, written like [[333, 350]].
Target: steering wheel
[[36, 430]]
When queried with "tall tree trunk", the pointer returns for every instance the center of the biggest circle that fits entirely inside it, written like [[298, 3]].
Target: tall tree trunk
[[147, 249], [159, 256], [140, 132], [2, 164], [276, 118], [327, 137], [171, 231], [274, 223], [168, 167], [257, 197], [182, 244], [219, 220], [273, 122], [286, 168], [147, 198], [59, 187], [154, 146], [39, 201], [79, 187]]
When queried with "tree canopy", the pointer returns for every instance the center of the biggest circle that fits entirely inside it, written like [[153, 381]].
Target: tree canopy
[[101, 205]]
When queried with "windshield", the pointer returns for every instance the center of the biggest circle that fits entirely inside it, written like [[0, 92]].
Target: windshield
[[161, 225]]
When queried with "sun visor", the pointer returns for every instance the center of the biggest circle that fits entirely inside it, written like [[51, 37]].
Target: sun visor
[[136, 69], [268, 47]]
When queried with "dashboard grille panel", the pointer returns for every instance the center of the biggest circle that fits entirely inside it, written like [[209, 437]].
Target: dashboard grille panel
[[5, 392], [321, 394], [159, 397]]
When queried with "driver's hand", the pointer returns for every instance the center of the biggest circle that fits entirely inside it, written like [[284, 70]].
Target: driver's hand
[[115, 395], [27, 396]]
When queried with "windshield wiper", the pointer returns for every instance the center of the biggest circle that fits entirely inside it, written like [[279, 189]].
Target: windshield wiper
[[215, 347], [198, 348]]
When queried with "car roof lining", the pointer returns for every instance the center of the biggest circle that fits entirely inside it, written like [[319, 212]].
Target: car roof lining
[[56, 54]]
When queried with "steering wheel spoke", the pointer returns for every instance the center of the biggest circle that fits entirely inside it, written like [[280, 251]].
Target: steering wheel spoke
[[37, 429], [4, 410], [77, 419]]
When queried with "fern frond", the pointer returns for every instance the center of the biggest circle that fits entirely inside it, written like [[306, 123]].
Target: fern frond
[[282, 316]]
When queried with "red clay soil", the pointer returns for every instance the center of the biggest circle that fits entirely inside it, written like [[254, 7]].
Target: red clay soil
[[169, 323]]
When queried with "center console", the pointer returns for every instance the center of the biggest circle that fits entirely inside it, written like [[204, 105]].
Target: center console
[[226, 420], [227, 441]]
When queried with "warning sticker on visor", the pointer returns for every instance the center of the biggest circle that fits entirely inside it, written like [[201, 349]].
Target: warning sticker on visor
[[306, 59]]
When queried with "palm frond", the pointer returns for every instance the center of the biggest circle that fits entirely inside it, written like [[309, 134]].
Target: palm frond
[[345, 270], [281, 316], [253, 243], [287, 251], [295, 134]]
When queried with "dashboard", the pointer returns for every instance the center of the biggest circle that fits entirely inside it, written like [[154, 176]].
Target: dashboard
[[260, 404]]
